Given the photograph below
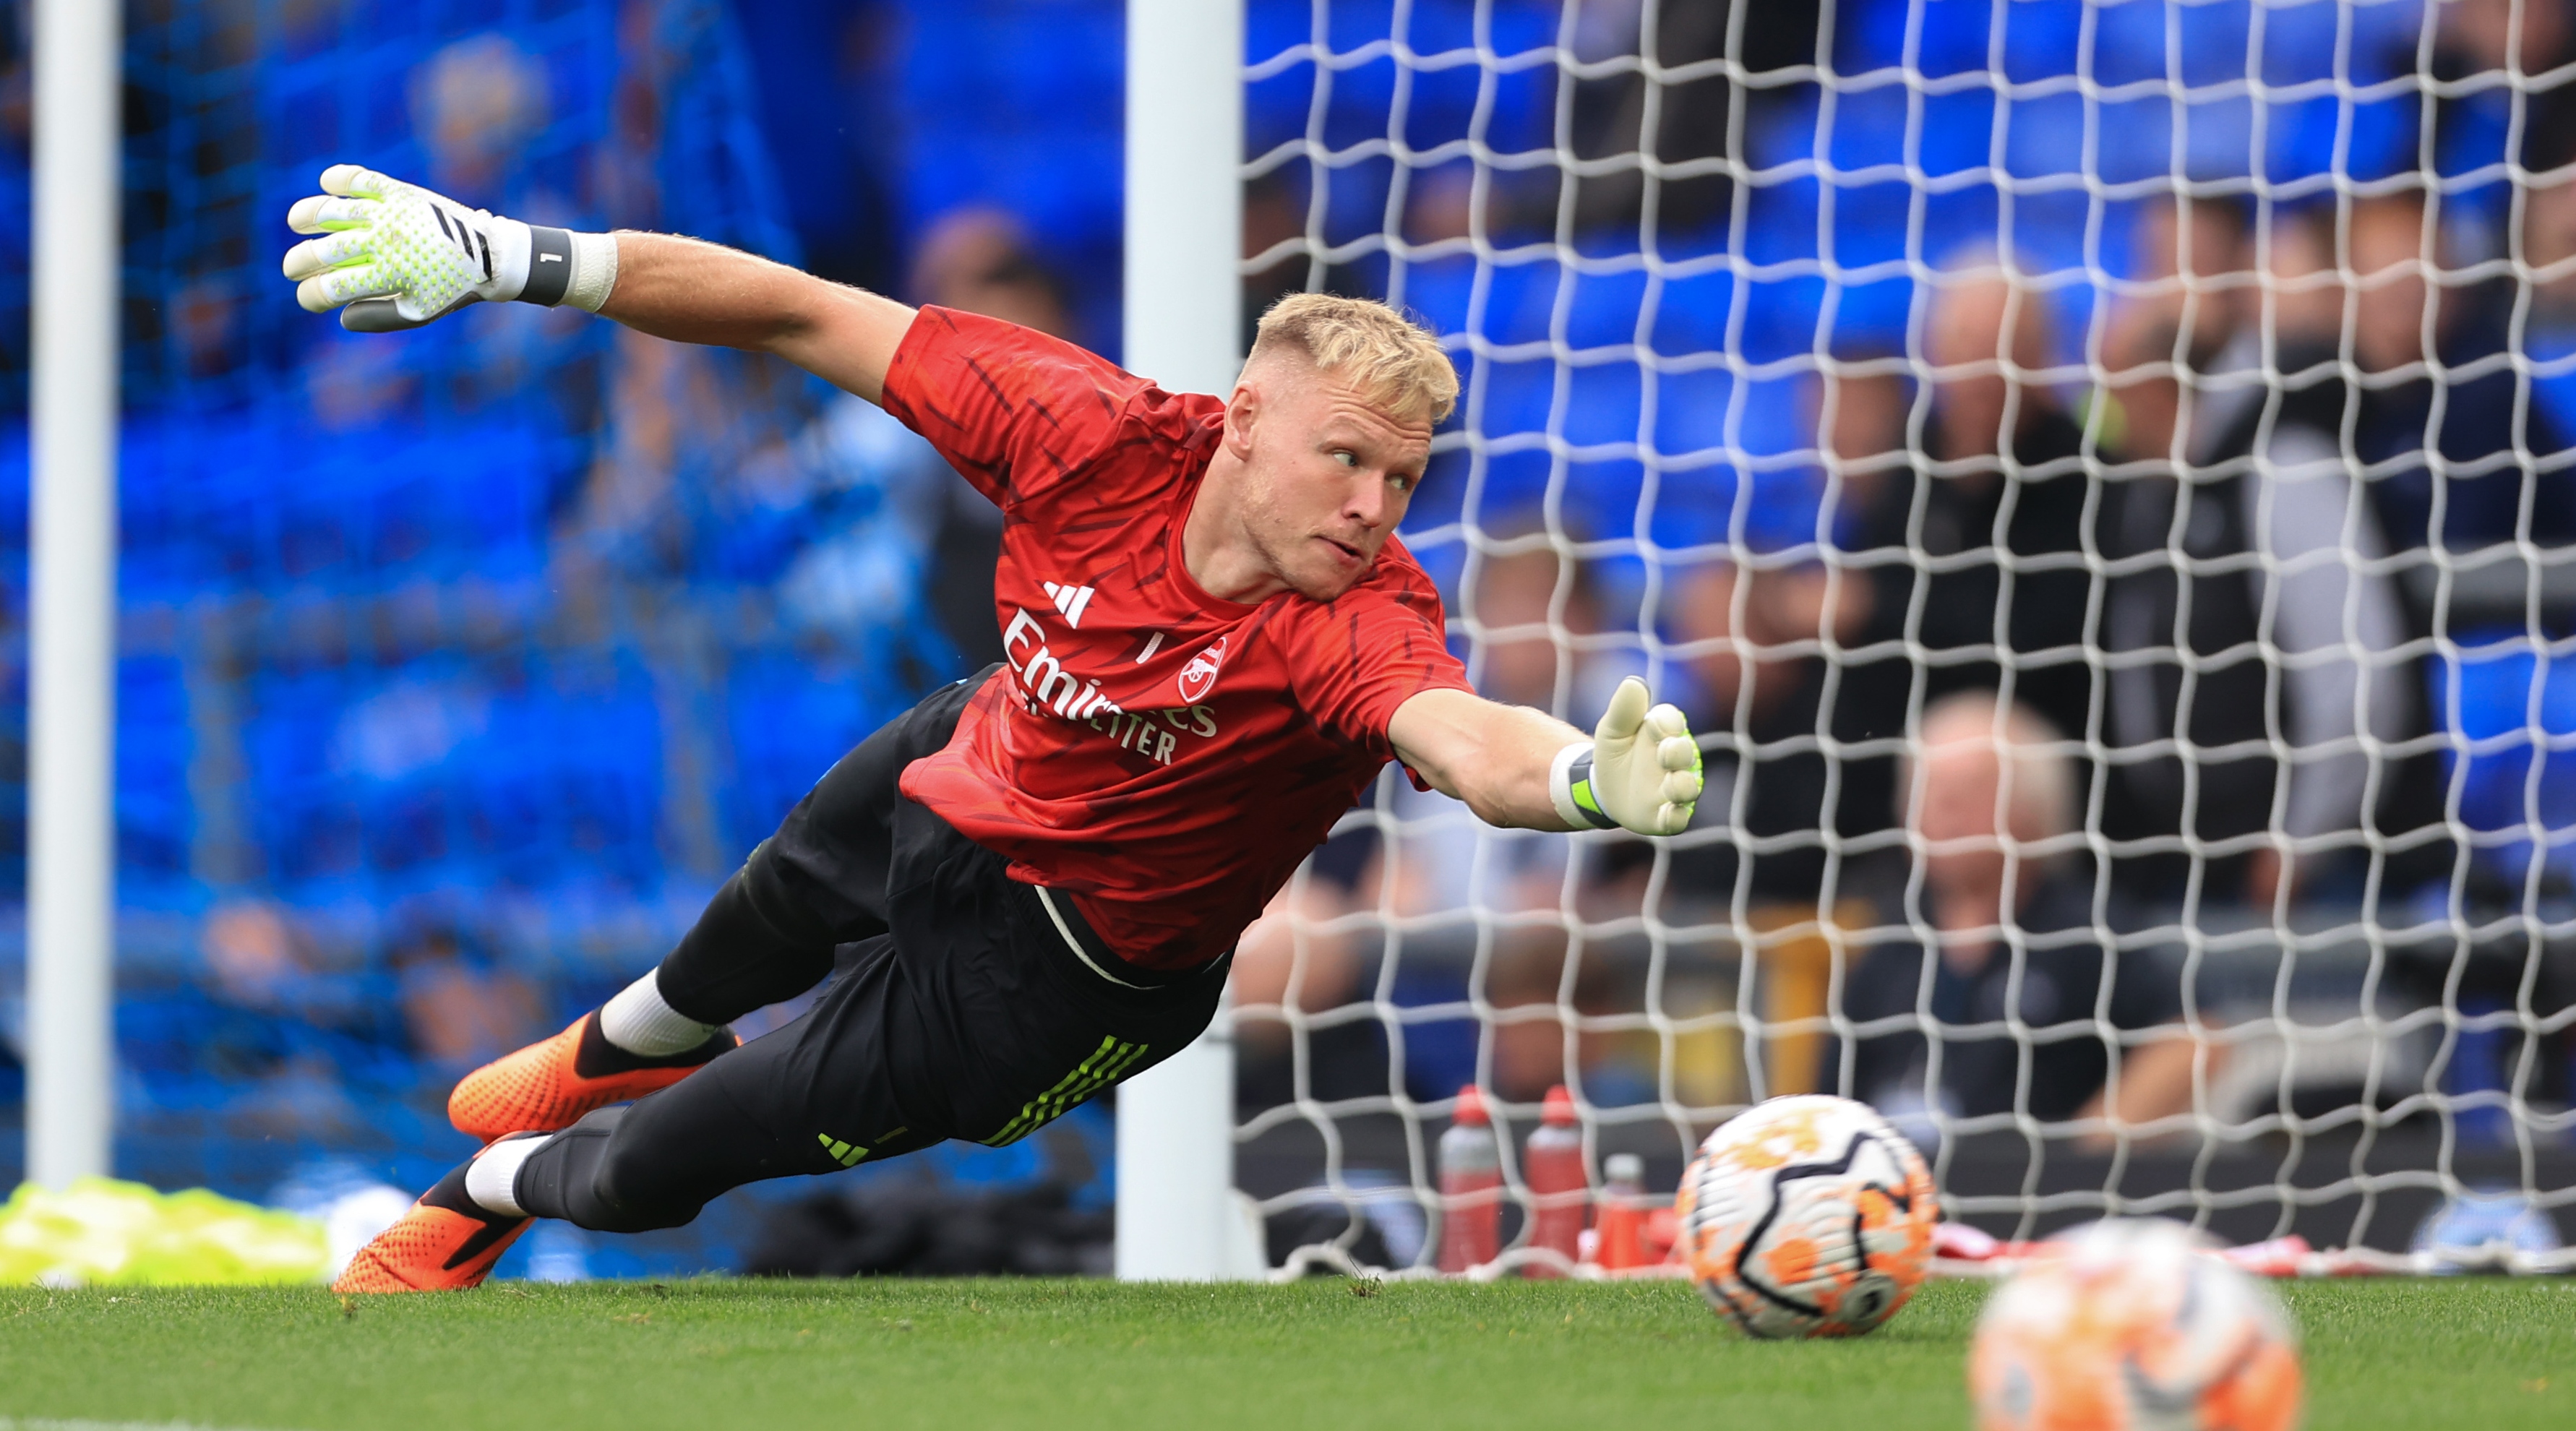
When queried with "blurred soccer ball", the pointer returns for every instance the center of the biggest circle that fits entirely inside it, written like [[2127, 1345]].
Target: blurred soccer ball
[[1807, 1217], [2133, 1323]]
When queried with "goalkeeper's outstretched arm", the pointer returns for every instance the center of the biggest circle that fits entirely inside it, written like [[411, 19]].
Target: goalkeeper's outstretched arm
[[695, 292], [392, 256], [1521, 769]]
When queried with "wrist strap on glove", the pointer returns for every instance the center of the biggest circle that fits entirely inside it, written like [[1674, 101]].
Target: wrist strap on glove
[[567, 267], [1569, 784]]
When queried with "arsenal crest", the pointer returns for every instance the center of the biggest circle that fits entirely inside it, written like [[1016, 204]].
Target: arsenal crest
[[1199, 676]]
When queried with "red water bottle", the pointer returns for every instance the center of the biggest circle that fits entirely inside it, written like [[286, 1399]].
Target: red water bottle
[[1623, 1212], [1471, 1187], [1552, 1162]]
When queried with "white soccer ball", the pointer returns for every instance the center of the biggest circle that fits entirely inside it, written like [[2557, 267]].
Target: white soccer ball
[[1807, 1216], [2133, 1324]]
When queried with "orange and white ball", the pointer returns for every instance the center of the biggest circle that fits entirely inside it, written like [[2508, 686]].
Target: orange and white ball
[[1807, 1216], [2134, 1324]]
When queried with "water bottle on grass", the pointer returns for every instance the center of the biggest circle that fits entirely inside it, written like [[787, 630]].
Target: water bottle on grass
[[1552, 1164], [1471, 1186]]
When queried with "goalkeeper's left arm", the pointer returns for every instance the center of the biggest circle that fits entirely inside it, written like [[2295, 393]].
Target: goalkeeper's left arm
[[1516, 767], [392, 256]]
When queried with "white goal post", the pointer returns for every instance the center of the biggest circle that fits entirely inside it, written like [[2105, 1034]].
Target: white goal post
[[71, 900], [1177, 1217]]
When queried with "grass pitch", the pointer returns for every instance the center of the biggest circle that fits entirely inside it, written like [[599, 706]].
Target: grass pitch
[[690, 1356]]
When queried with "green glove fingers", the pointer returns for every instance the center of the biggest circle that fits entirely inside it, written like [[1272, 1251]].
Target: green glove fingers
[[329, 289], [355, 179], [322, 214], [336, 250]]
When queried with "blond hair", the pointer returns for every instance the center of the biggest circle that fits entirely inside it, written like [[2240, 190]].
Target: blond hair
[[1395, 362]]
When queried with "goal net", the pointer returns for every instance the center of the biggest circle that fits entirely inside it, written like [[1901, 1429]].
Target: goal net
[[2096, 477]]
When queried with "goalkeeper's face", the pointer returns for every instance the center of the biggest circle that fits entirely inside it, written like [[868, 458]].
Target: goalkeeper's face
[[1327, 474]]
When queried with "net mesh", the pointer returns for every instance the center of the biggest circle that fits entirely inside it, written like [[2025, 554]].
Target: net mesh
[[2096, 477]]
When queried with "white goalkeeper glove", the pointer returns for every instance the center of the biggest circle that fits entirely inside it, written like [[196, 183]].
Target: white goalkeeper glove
[[1639, 771], [399, 256]]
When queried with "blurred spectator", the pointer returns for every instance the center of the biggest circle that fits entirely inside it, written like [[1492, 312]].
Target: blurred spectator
[[475, 105], [2489, 448], [1274, 214], [2260, 537], [1692, 119], [827, 99], [2498, 63], [290, 1014], [17, 126], [2548, 255], [1862, 412], [270, 1036], [690, 458], [1295, 958], [256, 956], [981, 260], [1977, 554], [1775, 716], [1989, 803], [459, 1010], [1789, 779]]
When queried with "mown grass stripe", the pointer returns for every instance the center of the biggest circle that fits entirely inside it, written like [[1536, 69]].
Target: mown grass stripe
[[45, 1423]]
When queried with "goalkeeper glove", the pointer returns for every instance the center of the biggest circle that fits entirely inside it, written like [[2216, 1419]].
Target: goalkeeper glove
[[1640, 771], [399, 256]]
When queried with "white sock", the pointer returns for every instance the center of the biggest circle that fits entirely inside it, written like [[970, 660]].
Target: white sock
[[491, 1180], [637, 1021]]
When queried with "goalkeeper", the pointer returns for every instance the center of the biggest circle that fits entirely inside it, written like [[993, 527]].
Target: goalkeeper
[[1214, 642]]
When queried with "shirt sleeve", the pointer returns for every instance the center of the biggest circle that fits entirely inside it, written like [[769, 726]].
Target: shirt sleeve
[[1367, 653], [1013, 410]]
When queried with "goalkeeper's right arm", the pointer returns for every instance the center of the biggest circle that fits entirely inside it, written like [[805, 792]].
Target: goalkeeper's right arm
[[398, 256]]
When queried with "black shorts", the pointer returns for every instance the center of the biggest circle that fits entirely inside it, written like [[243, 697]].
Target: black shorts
[[977, 1013]]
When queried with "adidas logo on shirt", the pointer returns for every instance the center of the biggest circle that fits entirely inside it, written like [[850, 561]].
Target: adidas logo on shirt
[[1070, 600]]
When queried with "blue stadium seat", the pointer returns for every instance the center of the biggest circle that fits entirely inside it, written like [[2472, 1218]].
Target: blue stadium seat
[[1780, 221], [1868, 127], [1602, 309], [1691, 313], [789, 720], [1952, 36], [2043, 39], [2486, 697], [2552, 347], [1439, 291], [154, 815]]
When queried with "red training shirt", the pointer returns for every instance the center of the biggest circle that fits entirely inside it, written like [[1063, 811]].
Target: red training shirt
[[1163, 757]]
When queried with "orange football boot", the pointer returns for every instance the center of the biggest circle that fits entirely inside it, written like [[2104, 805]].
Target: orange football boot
[[444, 1244], [547, 1087]]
